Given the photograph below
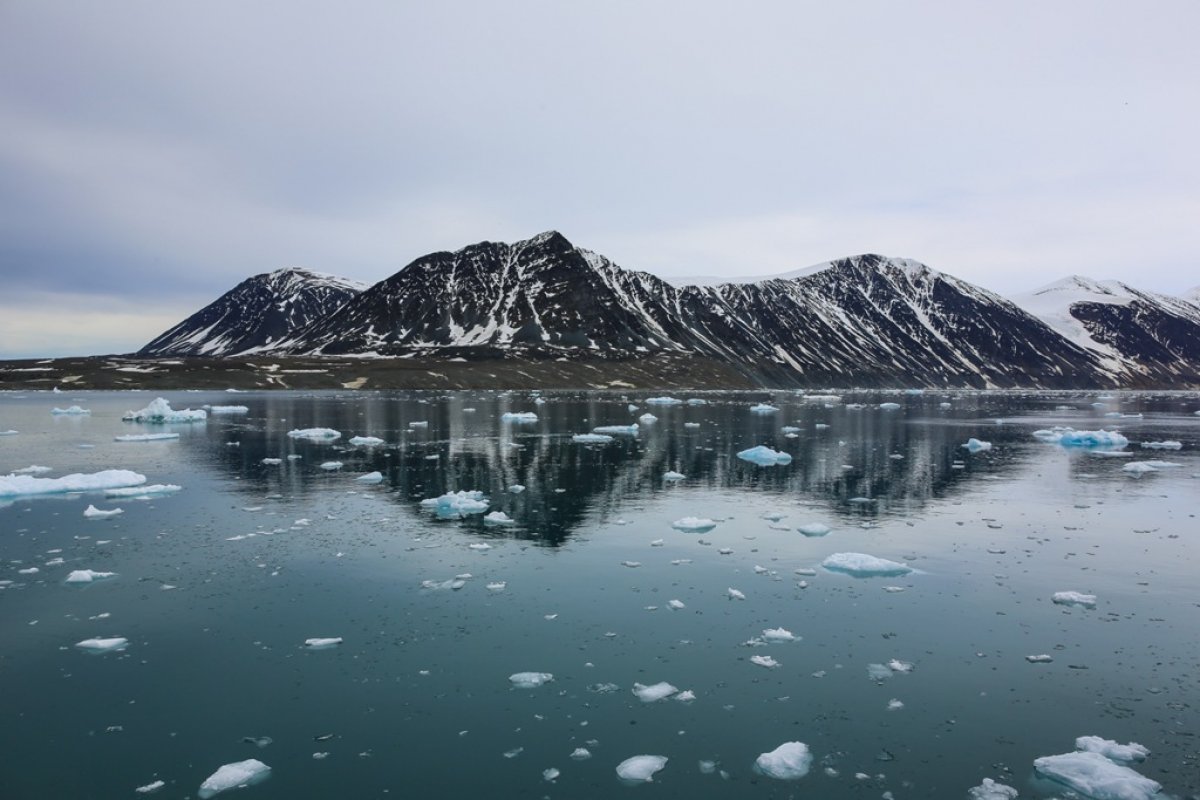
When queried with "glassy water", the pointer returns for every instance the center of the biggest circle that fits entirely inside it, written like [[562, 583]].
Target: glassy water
[[219, 585]]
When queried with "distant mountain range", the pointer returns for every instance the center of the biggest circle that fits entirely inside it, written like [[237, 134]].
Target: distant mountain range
[[864, 321]]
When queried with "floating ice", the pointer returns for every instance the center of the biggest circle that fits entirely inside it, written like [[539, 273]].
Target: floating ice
[[764, 661], [789, 761], [143, 491], [499, 518], [778, 635], [331, 465], [685, 696], [518, 416], [421, 423], [9, 432], [1140, 468], [1167, 445], [990, 790], [103, 645], [315, 434], [672, 475], [159, 412], [323, 644], [234, 776], [814, 529], [894, 705], [516, 488], [1073, 438], [529, 680], [146, 437], [647, 419], [456, 505], [73, 411], [88, 576], [654, 692], [663, 401], [91, 512], [581, 754], [480, 546], [975, 445], [32, 470], [1112, 750], [1074, 599], [550, 774], [108, 479], [640, 768], [228, 410], [763, 408], [735, 594], [691, 424], [365, 441], [497, 586], [694, 524], [764, 456], [861, 565], [370, 477], [675, 604], [889, 406], [1039, 659], [1093, 775], [271, 462], [623, 430], [591, 438], [150, 788]]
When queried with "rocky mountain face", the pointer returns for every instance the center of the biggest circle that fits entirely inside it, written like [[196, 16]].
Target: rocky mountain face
[[862, 321], [257, 315]]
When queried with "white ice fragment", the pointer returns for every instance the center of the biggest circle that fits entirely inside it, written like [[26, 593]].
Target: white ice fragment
[[32, 470], [625, 430], [1167, 445], [456, 505], [990, 790], [814, 529], [789, 761], [654, 692], [323, 643], [861, 565], [1140, 468], [228, 410], [370, 477], [498, 518], [894, 705], [675, 604], [735, 594], [103, 645], [88, 576], [1073, 438], [647, 419], [146, 437], [497, 586], [1112, 750], [778, 635], [519, 417], [591, 438], [663, 401], [764, 456], [581, 754], [271, 462], [20, 485], [896, 665], [975, 445], [516, 488], [550, 774], [694, 524], [763, 408], [640, 768], [685, 696], [330, 466], [1074, 599], [159, 412], [315, 434], [150, 788], [672, 475], [529, 680], [420, 423], [764, 661], [889, 406], [73, 411], [1093, 775], [91, 512], [9, 432], [234, 776], [366, 441], [1039, 659]]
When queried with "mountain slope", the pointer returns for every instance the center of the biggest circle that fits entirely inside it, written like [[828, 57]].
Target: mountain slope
[[256, 315]]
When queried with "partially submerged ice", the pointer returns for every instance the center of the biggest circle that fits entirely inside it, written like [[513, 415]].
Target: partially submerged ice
[[1139, 468], [763, 408], [1069, 437], [694, 524], [1074, 599], [764, 456], [72, 411], [990, 790], [529, 680], [234, 776], [654, 692], [789, 761], [159, 412], [861, 565], [315, 434], [228, 410], [620, 430], [640, 768], [1112, 750], [591, 438], [370, 477], [1094, 776], [21, 485], [323, 643], [144, 491], [814, 529], [518, 416], [88, 576], [366, 441], [456, 505], [974, 445], [146, 437], [663, 401], [99, 645], [91, 512]]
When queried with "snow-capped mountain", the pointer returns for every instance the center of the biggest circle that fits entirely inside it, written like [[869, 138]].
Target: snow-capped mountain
[[1143, 338], [1193, 295], [256, 315]]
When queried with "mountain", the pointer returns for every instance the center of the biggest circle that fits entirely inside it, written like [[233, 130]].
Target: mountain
[[1192, 295], [1142, 338], [256, 315]]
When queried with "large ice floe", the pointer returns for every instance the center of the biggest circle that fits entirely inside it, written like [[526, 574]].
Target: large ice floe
[[861, 565], [234, 776], [456, 505], [640, 769], [789, 761], [529, 680], [315, 434], [159, 412], [764, 456], [1094, 776], [22, 485]]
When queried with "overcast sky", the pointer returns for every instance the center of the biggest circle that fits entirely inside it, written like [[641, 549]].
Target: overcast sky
[[154, 154]]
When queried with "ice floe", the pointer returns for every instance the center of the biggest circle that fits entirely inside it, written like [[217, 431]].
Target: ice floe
[[370, 477], [1094, 776], [889, 406], [91, 512], [591, 438], [581, 754], [315, 434], [72, 411], [150, 788], [228, 410], [1068, 437], [456, 505], [763, 408], [365, 441], [33, 469], [271, 462], [672, 475], [159, 412], [974, 445], [764, 661], [529, 680], [1170, 444], [675, 605], [617, 430], [735, 594], [778, 635], [654, 692], [234, 776], [694, 524], [641, 768], [861, 565], [1140, 468], [647, 419], [1074, 599], [139, 492], [789, 761], [663, 401], [764, 456], [146, 437], [1111, 750], [88, 576], [499, 518], [990, 790], [108, 645], [814, 529], [518, 417], [330, 466], [319, 643]]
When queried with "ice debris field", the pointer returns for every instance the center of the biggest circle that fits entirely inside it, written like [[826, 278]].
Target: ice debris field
[[894, 595]]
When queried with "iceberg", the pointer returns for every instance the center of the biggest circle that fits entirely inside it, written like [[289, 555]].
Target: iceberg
[[591, 438], [654, 692], [861, 565], [366, 441], [234, 776], [1100, 438], [581, 754], [990, 790], [763, 408], [675, 605], [789, 761], [529, 680], [640, 768], [735, 594], [1093, 775], [88, 576], [663, 401], [159, 412], [1111, 750], [1074, 599], [519, 417], [91, 512], [110, 645], [315, 434], [617, 430], [73, 411], [814, 529], [764, 456], [456, 505], [975, 445], [694, 524], [146, 437], [319, 643], [150, 788], [228, 410], [144, 491], [370, 477]]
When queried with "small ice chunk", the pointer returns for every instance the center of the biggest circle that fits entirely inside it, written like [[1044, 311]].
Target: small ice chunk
[[763, 408], [159, 412], [685, 696], [861, 565], [894, 705], [663, 401], [1100, 438], [146, 437], [764, 456], [735, 594], [581, 754], [150, 788], [271, 462], [654, 692], [550, 774], [672, 475], [640, 768], [330, 466], [889, 406], [1140, 468], [1093, 775], [32, 470], [647, 419], [103, 645], [1112, 750], [315, 434], [990, 790], [779, 635], [675, 604], [370, 477], [420, 423], [88, 576], [234, 776], [619, 430], [497, 586], [1075, 599], [323, 644], [91, 512], [789, 761], [456, 505], [1039, 659], [975, 445], [73, 411], [498, 518], [516, 488], [1170, 444], [519, 417], [366, 441], [764, 661], [694, 524], [529, 680], [896, 665], [228, 410], [814, 529], [591, 438]]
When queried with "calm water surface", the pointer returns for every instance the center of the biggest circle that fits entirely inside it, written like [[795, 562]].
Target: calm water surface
[[219, 586]]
